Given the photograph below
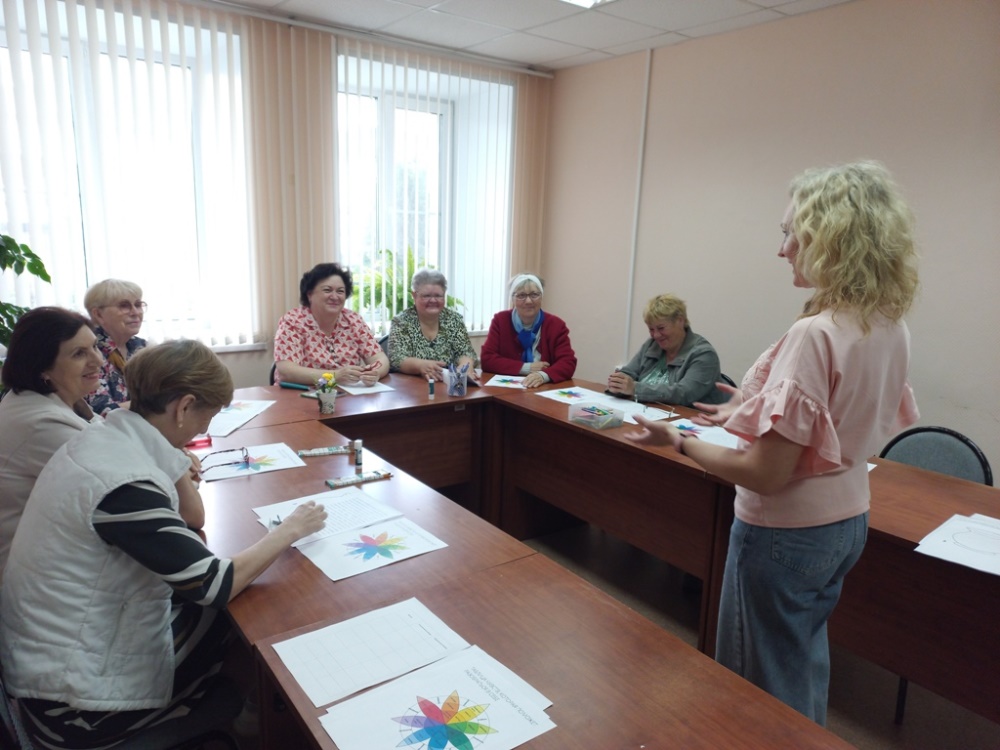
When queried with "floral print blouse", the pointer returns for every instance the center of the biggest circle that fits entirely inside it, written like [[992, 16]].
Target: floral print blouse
[[111, 389], [451, 343]]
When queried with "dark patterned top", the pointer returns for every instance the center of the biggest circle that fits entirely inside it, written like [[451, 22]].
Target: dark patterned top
[[450, 345], [111, 390]]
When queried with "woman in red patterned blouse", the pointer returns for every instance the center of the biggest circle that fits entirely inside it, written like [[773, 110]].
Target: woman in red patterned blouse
[[324, 336]]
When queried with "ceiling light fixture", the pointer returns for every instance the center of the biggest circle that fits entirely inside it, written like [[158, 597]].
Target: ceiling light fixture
[[587, 3]]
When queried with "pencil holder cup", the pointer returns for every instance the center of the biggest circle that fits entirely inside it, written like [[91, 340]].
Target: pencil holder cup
[[457, 383], [327, 401]]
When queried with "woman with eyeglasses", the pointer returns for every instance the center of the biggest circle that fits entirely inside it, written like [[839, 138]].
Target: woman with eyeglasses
[[428, 336], [810, 412], [526, 340], [116, 310], [111, 619], [675, 365]]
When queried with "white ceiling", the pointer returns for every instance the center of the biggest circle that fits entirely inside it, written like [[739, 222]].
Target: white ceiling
[[543, 34]]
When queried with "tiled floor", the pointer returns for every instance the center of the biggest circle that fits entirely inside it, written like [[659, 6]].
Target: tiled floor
[[862, 695]]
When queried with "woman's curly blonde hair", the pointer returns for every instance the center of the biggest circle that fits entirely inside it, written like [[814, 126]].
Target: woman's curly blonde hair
[[855, 238]]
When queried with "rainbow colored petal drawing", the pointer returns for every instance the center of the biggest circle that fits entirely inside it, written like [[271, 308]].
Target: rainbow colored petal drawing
[[508, 381], [382, 544], [236, 406], [570, 394], [257, 463], [444, 725]]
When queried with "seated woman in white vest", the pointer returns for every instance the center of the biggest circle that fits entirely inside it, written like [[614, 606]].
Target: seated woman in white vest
[[108, 617]]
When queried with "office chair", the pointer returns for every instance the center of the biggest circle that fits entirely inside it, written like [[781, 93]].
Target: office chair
[[270, 379], [384, 343], [946, 452], [198, 729], [727, 380]]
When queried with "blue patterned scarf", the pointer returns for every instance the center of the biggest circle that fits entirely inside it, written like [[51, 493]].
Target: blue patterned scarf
[[527, 336]]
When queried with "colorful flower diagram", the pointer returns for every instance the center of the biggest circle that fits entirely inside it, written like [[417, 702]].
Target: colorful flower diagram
[[236, 406], [382, 545], [569, 394], [436, 727], [256, 463], [506, 381]]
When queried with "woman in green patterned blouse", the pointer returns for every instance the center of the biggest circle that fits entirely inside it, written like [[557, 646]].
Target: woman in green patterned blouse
[[427, 337]]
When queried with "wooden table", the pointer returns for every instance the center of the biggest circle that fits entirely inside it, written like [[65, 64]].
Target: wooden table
[[443, 441], [652, 498], [294, 592], [932, 621], [615, 679]]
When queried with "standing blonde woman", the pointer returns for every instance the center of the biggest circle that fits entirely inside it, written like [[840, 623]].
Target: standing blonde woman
[[809, 413]]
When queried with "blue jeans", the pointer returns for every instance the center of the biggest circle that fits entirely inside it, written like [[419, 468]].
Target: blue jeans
[[778, 590]]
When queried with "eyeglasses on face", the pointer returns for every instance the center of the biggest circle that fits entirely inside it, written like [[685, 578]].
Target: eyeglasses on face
[[126, 307], [430, 297], [533, 296]]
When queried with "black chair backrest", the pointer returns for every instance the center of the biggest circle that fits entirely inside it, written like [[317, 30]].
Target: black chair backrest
[[942, 450], [727, 380], [270, 380]]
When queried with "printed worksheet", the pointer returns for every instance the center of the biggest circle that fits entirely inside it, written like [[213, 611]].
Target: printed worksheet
[[628, 408], [347, 509], [347, 554], [715, 435], [506, 381], [242, 462], [234, 416], [338, 660], [466, 700], [967, 541], [362, 390]]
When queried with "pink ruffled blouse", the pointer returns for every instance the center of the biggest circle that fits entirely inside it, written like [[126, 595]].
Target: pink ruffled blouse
[[828, 386]]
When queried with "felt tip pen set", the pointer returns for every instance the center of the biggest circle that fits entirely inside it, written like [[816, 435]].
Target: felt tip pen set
[[597, 416], [367, 476]]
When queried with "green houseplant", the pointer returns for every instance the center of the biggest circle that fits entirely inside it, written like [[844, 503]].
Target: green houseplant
[[20, 258]]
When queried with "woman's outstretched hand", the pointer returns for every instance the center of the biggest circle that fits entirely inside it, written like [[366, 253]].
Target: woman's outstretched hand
[[714, 415]]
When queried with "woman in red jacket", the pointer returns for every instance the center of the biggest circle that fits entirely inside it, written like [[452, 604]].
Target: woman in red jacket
[[527, 341]]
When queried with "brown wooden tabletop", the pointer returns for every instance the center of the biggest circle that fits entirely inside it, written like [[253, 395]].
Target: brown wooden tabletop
[[615, 679], [293, 591]]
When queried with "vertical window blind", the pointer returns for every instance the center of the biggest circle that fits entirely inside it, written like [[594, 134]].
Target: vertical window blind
[[123, 156]]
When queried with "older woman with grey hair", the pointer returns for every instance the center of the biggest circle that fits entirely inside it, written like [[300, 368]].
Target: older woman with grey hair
[[116, 310], [527, 341], [428, 337]]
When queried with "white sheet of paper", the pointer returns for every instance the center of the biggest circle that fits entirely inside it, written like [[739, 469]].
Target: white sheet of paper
[[504, 708], [346, 510], [965, 541], [338, 660], [263, 458], [714, 435], [572, 395], [349, 553], [506, 381], [629, 408], [234, 416], [361, 390]]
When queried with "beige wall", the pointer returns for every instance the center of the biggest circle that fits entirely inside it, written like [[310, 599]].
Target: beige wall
[[731, 119]]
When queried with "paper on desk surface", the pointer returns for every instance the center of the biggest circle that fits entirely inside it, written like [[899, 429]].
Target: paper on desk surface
[[970, 541], [349, 553], [361, 390], [234, 416], [262, 459], [576, 395], [490, 704], [347, 509], [714, 435], [340, 659]]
